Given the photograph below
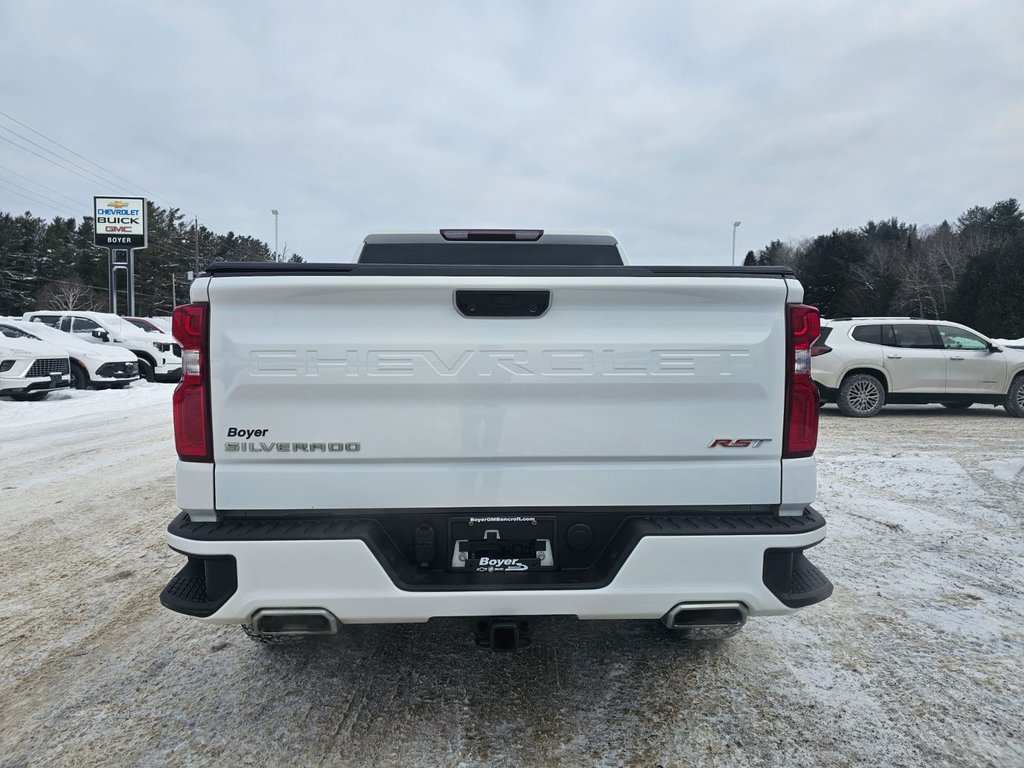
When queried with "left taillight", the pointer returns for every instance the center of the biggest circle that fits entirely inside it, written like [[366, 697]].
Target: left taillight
[[192, 396], [800, 435]]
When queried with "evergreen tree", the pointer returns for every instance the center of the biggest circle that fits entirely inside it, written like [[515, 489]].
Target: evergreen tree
[[825, 271], [56, 261], [20, 261], [991, 294]]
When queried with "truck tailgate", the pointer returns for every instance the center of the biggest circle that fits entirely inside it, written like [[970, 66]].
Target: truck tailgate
[[334, 392]]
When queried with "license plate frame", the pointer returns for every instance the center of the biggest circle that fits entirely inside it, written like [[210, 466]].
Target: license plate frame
[[502, 543]]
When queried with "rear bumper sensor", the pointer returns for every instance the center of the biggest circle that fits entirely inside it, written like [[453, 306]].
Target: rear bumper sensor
[[794, 579]]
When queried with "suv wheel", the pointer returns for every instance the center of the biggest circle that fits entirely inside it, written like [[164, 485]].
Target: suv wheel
[[860, 395], [79, 378], [146, 370], [1014, 404]]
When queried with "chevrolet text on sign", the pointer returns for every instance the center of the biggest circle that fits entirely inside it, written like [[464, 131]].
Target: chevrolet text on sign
[[120, 222]]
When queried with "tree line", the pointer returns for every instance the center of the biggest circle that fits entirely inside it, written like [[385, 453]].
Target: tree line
[[54, 265], [970, 272]]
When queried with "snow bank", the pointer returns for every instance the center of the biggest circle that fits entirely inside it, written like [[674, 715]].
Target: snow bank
[[70, 405]]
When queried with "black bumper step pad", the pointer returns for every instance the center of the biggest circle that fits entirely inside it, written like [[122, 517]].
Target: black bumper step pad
[[794, 579], [202, 586]]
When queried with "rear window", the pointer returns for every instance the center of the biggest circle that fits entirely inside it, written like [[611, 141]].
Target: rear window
[[491, 254], [870, 334], [914, 337]]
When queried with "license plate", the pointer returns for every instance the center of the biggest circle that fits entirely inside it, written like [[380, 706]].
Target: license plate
[[502, 543]]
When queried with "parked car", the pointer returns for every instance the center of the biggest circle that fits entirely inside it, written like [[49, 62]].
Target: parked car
[[31, 369], [159, 355], [864, 363], [92, 365]]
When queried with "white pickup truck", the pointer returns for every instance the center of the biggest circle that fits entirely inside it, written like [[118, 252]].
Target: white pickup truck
[[495, 425]]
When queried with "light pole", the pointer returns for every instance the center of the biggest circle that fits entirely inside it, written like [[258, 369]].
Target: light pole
[[274, 211], [735, 224]]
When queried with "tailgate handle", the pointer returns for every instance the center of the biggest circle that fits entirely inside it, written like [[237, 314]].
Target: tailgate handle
[[502, 303]]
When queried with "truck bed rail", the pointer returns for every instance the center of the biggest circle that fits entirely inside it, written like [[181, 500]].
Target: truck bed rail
[[255, 269]]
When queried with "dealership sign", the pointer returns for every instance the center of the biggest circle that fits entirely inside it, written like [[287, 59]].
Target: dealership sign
[[120, 222]]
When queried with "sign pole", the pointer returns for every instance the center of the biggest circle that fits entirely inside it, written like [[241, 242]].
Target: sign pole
[[111, 282], [131, 283], [120, 227]]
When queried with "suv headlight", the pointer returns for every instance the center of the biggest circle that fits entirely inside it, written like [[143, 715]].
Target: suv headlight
[[162, 346]]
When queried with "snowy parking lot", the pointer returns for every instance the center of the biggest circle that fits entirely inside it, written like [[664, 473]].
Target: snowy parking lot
[[917, 659]]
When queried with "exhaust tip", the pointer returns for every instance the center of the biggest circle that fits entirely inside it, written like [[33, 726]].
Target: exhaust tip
[[295, 621], [695, 617]]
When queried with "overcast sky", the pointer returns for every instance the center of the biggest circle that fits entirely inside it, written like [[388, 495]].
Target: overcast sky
[[664, 122]]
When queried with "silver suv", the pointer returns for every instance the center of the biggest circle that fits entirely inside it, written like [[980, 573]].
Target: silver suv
[[862, 363]]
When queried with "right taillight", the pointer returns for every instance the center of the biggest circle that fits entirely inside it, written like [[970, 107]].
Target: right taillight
[[192, 395], [820, 349], [800, 432]]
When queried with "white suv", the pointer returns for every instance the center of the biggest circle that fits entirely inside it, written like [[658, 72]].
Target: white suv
[[31, 369], [159, 355], [862, 363], [92, 365]]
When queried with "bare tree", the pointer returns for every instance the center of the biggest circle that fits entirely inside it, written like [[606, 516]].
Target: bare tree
[[876, 278], [916, 294], [69, 295], [947, 258]]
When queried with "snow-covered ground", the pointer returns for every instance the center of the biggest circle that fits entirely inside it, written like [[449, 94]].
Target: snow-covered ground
[[918, 658]]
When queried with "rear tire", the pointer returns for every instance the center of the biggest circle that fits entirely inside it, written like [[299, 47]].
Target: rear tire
[[276, 640], [860, 395], [1014, 404], [959, 405]]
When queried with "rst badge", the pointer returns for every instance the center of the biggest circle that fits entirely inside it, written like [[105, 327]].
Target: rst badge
[[742, 442]]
